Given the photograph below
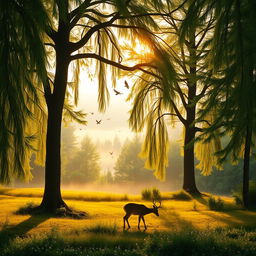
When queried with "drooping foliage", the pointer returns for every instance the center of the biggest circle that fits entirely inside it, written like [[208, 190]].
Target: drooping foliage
[[157, 107], [231, 99], [22, 73], [233, 66], [28, 27]]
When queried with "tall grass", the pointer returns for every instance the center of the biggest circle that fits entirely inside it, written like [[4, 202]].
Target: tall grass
[[199, 243], [221, 242], [103, 229], [215, 204]]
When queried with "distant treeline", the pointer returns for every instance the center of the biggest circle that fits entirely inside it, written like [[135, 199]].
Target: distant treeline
[[82, 164]]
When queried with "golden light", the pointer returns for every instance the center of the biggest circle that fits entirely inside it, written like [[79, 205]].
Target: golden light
[[142, 50]]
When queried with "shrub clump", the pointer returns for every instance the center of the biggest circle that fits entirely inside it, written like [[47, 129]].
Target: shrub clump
[[151, 194], [237, 194], [216, 205]]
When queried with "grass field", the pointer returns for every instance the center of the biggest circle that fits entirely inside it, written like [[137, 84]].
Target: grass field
[[104, 226]]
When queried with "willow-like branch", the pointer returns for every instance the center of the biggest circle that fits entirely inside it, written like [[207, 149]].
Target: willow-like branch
[[86, 38], [116, 64]]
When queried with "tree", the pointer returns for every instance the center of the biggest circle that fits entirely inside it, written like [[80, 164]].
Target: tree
[[129, 166], [21, 53], [84, 166], [77, 32], [233, 59], [96, 20], [153, 101]]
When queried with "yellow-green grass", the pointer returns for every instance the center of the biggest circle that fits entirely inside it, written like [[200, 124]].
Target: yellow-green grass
[[174, 214], [68, 194], [77, 195]]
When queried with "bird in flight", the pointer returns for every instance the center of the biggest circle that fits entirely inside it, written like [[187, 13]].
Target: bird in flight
[[98, 121], [117, 92], [126, 84], [111, 153]]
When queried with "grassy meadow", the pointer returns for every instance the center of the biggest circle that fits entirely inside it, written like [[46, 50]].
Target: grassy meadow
[[188, 221]]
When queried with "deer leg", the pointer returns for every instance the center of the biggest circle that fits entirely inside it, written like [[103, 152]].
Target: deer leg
[[144, 222], [126, 217], [128, 222], [139, 222]]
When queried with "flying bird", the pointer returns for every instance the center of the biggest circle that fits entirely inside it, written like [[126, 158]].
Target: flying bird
[[117, 92], [98, 121], [111, 153], [126, 84]]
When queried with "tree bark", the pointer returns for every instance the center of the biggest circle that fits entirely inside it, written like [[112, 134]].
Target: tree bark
[[52, 198], [189, 182], [52, 195], [246, 167]]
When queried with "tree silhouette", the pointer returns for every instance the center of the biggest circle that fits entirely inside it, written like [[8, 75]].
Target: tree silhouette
[[231, 101], [77, 33], [154, 102]]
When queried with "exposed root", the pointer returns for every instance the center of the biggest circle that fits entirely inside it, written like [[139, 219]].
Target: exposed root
[[62, 211], [194, 192]]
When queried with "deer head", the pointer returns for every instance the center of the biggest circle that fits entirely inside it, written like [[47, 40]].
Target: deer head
[[155, 207]]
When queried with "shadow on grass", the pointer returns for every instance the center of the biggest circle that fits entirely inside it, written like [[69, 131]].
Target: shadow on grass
[[174, 221], [7, 234], [236, 218], [232, 215]]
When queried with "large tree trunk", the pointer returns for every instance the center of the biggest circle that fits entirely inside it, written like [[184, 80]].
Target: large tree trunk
[[52, 195], [52, 198], [246, 168], [189, 183]]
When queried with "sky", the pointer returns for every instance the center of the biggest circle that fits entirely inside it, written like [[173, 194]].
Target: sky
[[113, 121]]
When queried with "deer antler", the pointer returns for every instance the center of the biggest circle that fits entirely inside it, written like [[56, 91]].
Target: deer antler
[[154, 203]]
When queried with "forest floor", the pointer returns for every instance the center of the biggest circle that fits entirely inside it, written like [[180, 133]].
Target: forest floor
[[105, 217]]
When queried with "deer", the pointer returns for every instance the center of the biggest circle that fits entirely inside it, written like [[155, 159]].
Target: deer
[[141, 210]]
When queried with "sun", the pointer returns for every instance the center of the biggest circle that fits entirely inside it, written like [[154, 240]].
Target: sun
[[141, 49]]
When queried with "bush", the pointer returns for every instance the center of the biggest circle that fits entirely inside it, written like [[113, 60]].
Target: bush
[[146, 194], [216, 205], [238, 198], [156, 195], [237, 194], [151, 194]]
